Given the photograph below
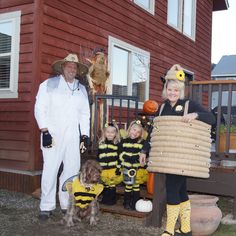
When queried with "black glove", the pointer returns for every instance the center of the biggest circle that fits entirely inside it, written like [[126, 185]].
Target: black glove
[[84, 143], [47, 139], [118, 172]]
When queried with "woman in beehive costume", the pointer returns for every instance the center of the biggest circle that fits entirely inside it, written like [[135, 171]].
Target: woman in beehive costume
[[178, 203]]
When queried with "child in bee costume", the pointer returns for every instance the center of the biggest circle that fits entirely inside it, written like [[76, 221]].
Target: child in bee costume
[[133, 173], [108, 160]]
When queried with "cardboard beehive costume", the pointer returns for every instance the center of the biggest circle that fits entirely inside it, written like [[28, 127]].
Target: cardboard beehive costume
[[178, 147]]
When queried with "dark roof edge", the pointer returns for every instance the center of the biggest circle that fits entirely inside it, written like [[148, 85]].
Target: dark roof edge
[[219, 5]]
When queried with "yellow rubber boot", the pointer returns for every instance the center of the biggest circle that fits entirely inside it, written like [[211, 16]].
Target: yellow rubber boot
[[172, 216], [185, 213]]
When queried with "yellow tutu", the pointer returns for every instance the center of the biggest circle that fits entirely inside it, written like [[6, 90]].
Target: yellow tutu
[[109, 177], [141, 177]]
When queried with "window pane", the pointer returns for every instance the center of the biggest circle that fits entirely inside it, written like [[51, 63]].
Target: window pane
[[5, 47], [173, 12], [120, 71], [188, 17], [5, 72], [145, 3], [9, 53], [139, 75], [5, 37]]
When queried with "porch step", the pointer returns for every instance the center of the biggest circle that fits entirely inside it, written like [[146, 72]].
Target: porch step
[[118, 207], [143, 191], [120, 210]]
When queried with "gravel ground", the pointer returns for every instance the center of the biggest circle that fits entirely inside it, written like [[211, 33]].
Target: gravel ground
[[19, 216]]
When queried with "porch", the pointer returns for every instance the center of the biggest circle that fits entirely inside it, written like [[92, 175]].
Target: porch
[[216, 96]]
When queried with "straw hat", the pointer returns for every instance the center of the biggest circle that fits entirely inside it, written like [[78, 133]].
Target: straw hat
[[175, 72], [57, 65]]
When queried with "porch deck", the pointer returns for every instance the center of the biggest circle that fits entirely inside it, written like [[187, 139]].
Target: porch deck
[[222, 180]]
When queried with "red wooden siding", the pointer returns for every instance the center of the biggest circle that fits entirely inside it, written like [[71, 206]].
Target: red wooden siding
[[16, 140], [50, 29], [70, 25], [18, 182]]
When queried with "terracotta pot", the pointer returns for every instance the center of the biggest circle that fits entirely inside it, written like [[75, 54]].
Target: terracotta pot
[[205, 214]]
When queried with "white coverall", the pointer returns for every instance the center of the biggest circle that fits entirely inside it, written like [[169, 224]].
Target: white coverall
[[63, 112]]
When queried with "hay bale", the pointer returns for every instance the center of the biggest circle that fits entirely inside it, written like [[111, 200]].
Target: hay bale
[[180, 148]]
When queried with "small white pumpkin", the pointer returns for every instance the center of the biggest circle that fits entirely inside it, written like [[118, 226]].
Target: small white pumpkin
[[143, 205]]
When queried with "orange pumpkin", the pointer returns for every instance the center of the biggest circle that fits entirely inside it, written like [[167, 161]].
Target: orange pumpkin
[[150, 183], [150, 106]]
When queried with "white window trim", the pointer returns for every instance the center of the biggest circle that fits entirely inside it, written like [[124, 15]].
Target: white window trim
[[180, 20], [193, 26], [189, 72], [116, 42], [12, 91], [151, 9], [180, 14]]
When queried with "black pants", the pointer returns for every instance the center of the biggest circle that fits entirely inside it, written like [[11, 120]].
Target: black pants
[[176, 189]]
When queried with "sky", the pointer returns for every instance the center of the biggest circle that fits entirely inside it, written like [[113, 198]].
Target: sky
[[224, 32]]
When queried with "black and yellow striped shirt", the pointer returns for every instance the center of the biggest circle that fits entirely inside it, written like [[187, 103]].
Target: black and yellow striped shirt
[[84, 196], [108, 155], [129, 150]]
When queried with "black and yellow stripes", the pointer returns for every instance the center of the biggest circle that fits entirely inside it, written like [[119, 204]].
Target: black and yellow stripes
[[108, 155], [129, 153], [130, 188], [84, 196], [82, 199]]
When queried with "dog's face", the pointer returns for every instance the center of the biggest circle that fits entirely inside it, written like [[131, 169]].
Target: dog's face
[[90, 172]]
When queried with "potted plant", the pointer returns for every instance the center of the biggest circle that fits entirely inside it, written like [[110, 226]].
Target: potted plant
[[223, 137]]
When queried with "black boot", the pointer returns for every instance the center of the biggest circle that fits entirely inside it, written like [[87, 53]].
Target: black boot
[[105, 196], [135, 198], [112, 196], [127, 200]]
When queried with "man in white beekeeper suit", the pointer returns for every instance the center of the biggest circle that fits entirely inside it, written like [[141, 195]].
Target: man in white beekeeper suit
[[63, 116]]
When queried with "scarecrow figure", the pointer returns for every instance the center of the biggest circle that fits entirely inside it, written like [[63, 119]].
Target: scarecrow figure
[[98, 77], [98, 73]]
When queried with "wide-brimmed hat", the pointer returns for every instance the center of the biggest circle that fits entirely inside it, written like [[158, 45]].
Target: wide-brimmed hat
[[57, 65], [175, 72]]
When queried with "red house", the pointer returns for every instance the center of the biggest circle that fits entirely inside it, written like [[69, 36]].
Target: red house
[[143, 38]]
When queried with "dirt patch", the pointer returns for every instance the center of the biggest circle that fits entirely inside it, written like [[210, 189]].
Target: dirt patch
[[19, 216]]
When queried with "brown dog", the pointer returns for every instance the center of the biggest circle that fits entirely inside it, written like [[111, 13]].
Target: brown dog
[[83, 193]]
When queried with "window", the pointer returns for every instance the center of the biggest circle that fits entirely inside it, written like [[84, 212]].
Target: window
[[182, 16], [148, 5], [129, 67], [9, 54]]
